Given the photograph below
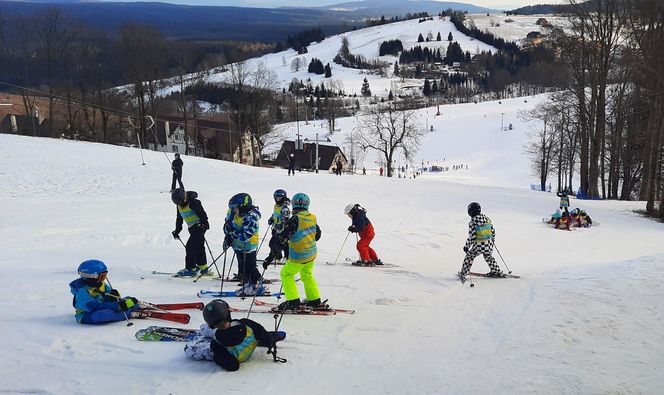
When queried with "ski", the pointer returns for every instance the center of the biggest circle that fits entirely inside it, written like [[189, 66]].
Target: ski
[[351, 262], [161, 315], [487, 275], [270, 310], [172, 306], [343, 311], [205, 293], [166, 334], [237, 280]]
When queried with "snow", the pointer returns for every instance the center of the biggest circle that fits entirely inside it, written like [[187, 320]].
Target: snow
[[586, 316], [365, 42], [516, 30]]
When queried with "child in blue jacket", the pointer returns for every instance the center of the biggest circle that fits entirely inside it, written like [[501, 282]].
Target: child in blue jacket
[[95, 300]]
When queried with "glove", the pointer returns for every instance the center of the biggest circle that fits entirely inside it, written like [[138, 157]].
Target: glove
[[465, 249], [176, 234], [228, 241], [127, 303], [351, 228], [266, 264], [114, 292], [270, 221], [203, 226]]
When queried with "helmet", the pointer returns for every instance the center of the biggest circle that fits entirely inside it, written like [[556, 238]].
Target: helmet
[[239, 200], [301, 200], [177, 155], [279, 194], [474, 208], [178, 196], [216, 312], [349, 208], [91, 268]]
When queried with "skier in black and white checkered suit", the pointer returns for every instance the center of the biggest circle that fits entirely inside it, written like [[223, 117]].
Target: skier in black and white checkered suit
[[481, 238]]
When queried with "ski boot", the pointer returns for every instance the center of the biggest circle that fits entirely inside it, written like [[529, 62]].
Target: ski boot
[[289, 305], [187, 272], [316, 304], [377, 262], [496, 274]]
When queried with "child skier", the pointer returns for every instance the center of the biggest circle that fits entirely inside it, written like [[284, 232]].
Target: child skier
[[555, 216], [564, 201], [191, 211], [563, 222], [95, 300], [281, 214], [229, 342], [365, 229], [481, 239], [241, 230], [302, 233]]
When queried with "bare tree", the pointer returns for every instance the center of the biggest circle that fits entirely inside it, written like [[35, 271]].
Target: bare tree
[[263, 83], [296, 64], [388, 128], [237, 79]]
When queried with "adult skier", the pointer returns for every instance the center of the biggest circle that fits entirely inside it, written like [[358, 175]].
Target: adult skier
[[302, 233], [190, 210], [226, 341], [280, 215], [241, 230], [176, 166], [481, 239], [363, 227], [95, 300], [291, 164]]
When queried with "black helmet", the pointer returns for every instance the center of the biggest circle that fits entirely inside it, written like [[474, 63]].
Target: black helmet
[[474, 209], [178, 196], [279, 195], [216, 312], [240, 200], [177, 155]]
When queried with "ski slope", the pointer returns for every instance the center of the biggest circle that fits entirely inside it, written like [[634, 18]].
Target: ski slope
[[366, 42], [586, 316]]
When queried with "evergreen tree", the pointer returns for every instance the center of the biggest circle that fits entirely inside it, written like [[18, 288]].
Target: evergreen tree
[[449, 37], [418, 71], [396, 68], [366, 91], [328, 71], [434, 87], [420, 38], [438, 38], [390, 96], [427, 88]]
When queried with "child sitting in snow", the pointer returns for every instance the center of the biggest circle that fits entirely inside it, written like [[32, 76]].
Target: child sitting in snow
[[95, 300], [229, 342]]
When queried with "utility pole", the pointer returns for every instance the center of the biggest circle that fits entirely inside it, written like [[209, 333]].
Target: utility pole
[[316, 152], [502, 115], [297, 142]]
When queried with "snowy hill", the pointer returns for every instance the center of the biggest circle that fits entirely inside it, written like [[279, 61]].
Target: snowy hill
[[586, 316], [364, 42]]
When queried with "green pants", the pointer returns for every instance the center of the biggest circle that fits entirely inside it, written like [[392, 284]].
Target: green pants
[[306, 271]]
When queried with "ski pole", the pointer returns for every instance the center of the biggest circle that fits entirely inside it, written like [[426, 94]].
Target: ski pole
[[342, 248], [230, 267], [223, 271], [501, 258], [264, 236], [117, 297], [260, 282], [214, 262], [181, 242]]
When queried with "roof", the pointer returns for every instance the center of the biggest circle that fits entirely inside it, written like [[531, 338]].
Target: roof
[[326, 152]]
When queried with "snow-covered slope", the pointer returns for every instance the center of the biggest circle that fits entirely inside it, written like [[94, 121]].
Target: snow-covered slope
[[365, 42], [586, 316], [513, 27]]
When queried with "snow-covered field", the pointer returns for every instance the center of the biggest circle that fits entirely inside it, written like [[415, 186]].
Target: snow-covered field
[[517, 29], [586, 316], [365, 42]]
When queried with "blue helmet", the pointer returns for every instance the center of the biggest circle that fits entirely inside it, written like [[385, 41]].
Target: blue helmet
[[279, 194], [239, 200], [301, 201], [92, 268], [178, 196]]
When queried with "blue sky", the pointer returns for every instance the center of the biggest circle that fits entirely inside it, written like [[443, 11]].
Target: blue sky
[[506, 4]]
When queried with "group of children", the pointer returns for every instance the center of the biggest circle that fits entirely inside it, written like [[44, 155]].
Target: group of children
[[565, 219]]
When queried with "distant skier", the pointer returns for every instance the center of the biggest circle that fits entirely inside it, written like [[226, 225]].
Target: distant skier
[[302, 233], [339, 167], [241, 230], [176, 166], [280, 215], [95, 300], [226, 341], [363, 227], [291, 164], [191, 211], [380, 171], [564, 201], [580, 218], [481, 239]]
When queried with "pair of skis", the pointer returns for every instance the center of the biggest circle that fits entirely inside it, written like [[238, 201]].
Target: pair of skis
[[351, 262], [206, 293], [167, 334], [162, 311], [271, 308]]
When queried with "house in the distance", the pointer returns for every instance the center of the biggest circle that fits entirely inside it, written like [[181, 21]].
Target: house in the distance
[[329, 155]]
